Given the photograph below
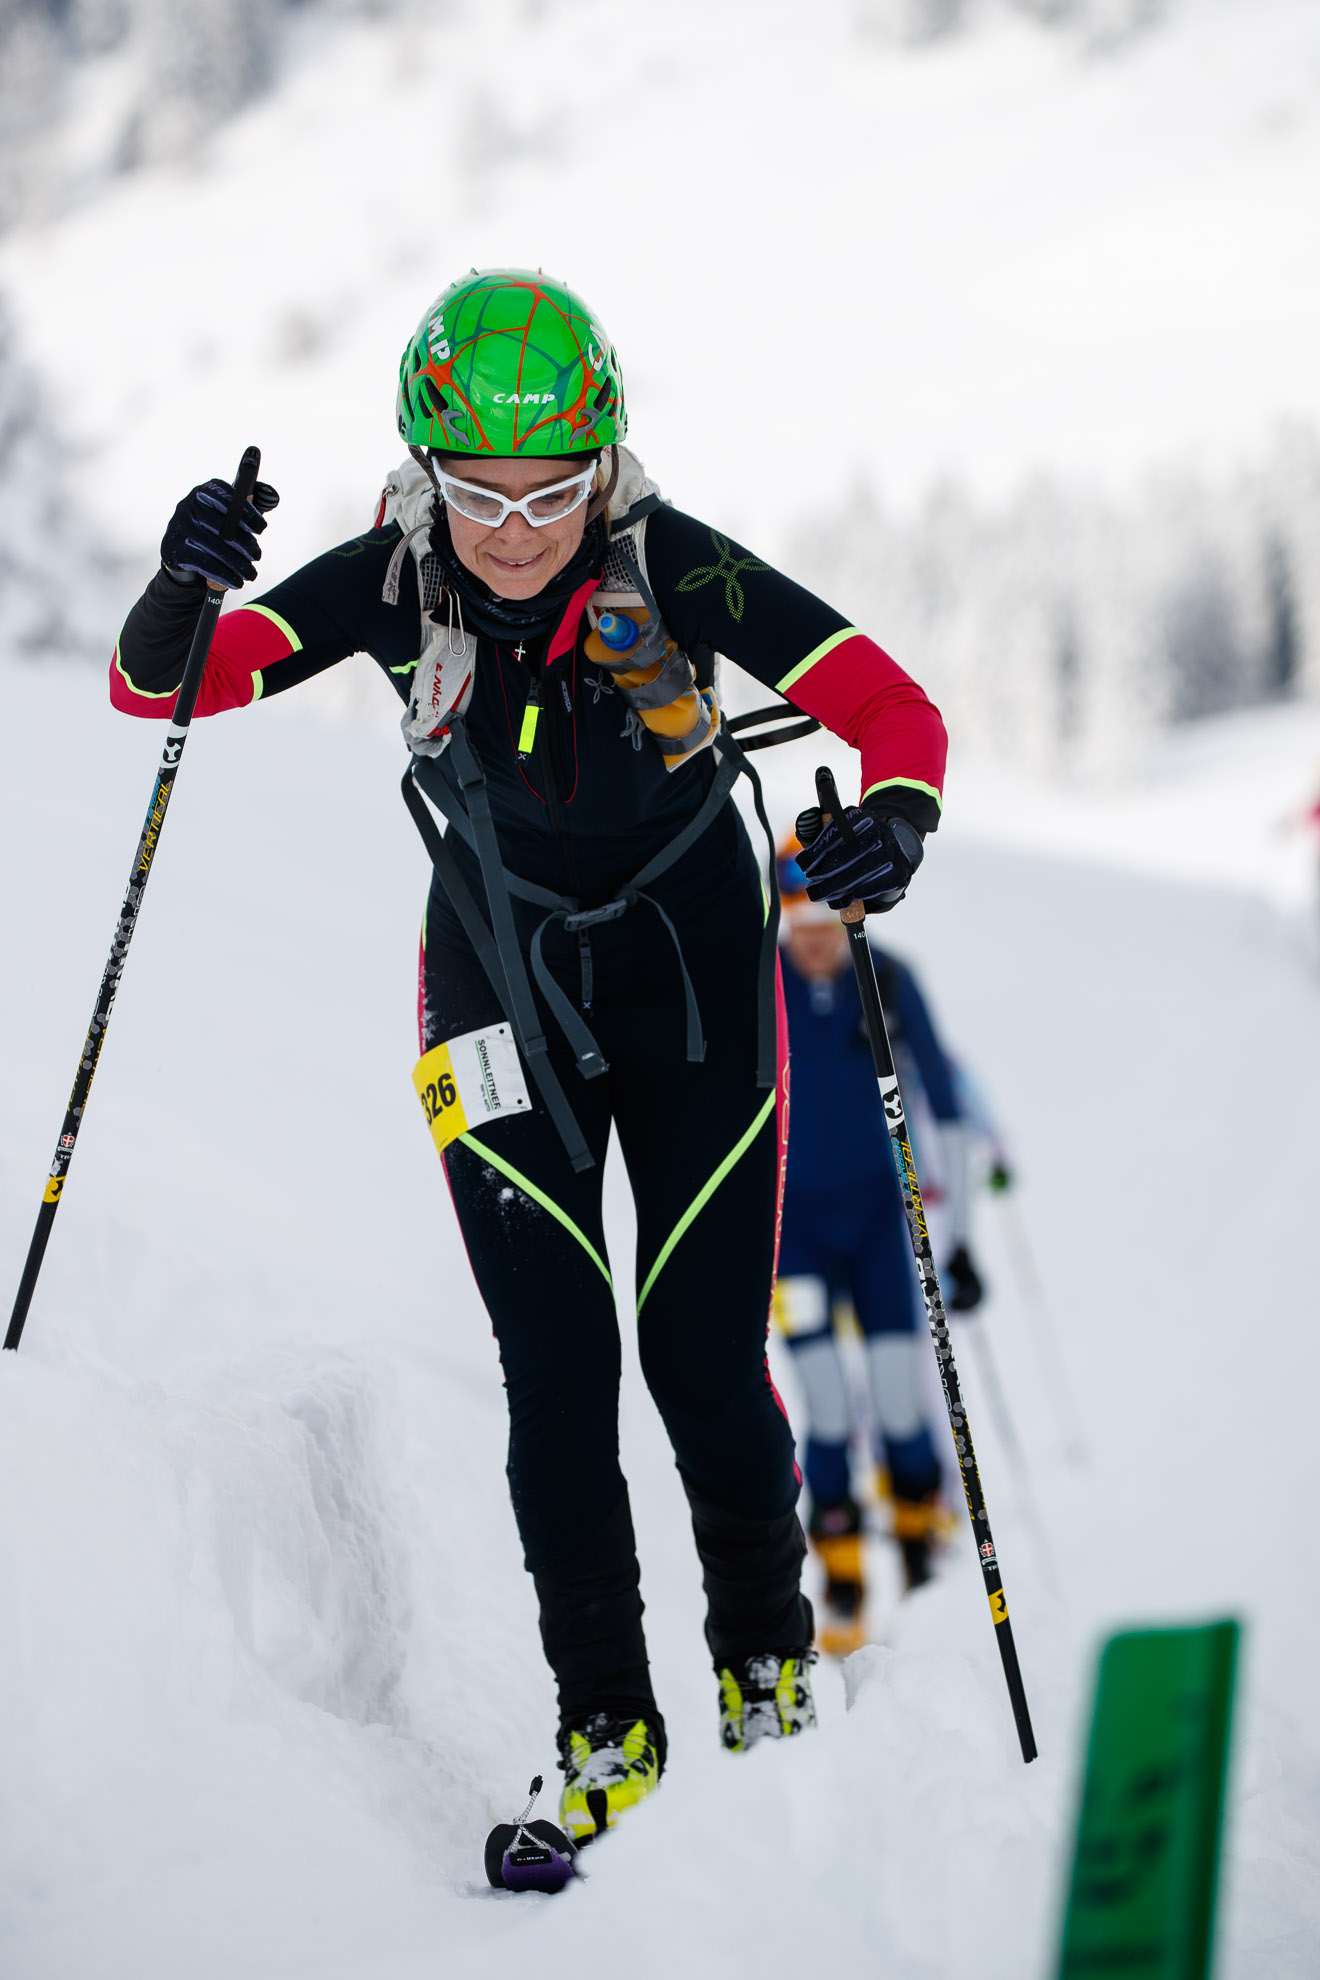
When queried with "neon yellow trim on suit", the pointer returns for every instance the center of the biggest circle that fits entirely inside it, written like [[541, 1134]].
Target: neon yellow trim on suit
[[479, 1148], [167, 694], [703, 1197], [817, 654], [295, 644], [281, 625], [911, 784], [146, 694]]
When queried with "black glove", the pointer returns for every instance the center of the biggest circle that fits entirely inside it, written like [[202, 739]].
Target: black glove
[[192, 545], [963, 1282], [874, 869]]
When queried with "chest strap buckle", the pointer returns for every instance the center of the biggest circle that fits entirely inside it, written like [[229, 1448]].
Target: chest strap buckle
[[598, 916]]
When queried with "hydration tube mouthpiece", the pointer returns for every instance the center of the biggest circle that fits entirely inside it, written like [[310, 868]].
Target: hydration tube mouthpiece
[[618, 632]]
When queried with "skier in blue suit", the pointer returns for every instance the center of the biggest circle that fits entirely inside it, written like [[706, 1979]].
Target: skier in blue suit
[[844, 1236]]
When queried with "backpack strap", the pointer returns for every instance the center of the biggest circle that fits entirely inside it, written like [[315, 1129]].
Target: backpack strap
[[779, 724], [531, 1040], [468, 813]]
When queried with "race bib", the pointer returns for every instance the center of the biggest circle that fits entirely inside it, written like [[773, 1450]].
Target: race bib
[[470, 1080]]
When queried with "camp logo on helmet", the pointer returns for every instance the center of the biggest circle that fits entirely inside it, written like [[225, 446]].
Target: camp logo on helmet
[[436, 341], [510, 361]]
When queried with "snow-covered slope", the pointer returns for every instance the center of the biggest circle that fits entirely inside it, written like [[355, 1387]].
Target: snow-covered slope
[[268, 1661], [268, 1664]]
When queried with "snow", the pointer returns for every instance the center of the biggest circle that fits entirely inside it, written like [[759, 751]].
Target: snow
[[268, 1662], [1221, 803], [268, 1659]]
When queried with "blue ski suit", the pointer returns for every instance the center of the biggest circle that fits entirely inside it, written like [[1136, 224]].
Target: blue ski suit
[[844, 1232]]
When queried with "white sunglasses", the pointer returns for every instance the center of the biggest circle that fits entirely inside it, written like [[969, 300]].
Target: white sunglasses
[[542, 506]]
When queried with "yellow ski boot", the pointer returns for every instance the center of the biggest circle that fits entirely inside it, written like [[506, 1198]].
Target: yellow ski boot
[[766, 1697], [920, 1526], [836, 1537], [609, 1765]]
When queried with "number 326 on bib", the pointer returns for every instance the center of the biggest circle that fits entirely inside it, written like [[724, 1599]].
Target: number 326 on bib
[[469, 1080]]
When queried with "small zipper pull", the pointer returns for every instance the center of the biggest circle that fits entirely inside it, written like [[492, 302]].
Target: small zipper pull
[[531, 715]]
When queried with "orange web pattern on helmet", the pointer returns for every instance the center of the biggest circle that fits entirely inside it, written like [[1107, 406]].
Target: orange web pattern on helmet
[[585, 376]]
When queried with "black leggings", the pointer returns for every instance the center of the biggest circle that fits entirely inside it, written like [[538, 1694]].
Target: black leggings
[[701, 1146]]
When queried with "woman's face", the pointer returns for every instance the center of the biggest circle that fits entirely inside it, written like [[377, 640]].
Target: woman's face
[[515, 560]]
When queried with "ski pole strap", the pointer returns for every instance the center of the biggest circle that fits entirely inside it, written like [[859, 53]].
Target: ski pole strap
[[533, 1047]]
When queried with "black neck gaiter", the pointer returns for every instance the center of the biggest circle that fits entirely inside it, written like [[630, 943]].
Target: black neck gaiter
[[516, 618]]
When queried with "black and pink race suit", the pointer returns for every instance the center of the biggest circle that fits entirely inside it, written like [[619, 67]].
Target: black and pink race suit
[[580, 814]]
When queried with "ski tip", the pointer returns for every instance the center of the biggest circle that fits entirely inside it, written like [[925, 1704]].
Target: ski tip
[[530, 1856]]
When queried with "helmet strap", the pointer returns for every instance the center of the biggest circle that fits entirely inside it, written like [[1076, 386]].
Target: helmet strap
[[424, 460], [600, 500]]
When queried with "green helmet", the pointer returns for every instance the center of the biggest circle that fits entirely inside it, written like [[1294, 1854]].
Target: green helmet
[[509, 361]]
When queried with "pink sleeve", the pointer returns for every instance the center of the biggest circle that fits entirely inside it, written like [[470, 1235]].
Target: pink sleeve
[[245, 641], [853, 687]]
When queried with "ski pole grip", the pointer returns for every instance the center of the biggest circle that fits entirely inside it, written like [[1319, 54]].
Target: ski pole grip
[[244, 483], [831, 807], [810, 823]]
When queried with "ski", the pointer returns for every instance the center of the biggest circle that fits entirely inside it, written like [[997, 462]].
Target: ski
[[523, 1855]]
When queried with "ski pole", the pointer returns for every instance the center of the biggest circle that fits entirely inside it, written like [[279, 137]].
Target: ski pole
[[175, 738], [809, 826]]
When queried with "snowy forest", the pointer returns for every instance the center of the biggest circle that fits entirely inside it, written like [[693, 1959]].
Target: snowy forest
[[1064, 630], [994, 324]]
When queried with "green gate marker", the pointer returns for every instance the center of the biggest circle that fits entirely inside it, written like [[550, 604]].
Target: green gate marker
[[1142, 1897]]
